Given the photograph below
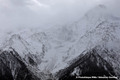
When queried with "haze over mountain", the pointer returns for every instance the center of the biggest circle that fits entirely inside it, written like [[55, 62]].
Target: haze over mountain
[[85, 47]]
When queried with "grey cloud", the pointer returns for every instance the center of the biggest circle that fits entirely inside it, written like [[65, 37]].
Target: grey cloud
[[16, 14]]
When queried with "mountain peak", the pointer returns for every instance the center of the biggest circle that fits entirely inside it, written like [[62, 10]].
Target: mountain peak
[[15, 37], [99, 11], [91, 64]]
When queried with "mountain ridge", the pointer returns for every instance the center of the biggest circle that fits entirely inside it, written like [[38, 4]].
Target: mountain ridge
[[53, 50]]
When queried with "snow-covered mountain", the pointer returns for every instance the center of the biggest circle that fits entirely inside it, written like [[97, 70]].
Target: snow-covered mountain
[[92, 41], [91, 64], [103, 36]]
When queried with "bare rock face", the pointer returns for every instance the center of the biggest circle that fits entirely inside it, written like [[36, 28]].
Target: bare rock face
[[12, 68], [91, 64]]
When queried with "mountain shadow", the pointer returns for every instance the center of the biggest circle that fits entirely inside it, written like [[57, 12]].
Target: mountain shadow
[[91, 64], [13, 68]]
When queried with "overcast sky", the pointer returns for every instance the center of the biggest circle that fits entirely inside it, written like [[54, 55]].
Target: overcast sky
[[19, 14]]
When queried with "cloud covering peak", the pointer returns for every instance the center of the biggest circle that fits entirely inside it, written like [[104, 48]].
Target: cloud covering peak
[[18, 14]]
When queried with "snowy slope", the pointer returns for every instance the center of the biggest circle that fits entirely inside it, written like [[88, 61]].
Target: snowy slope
[[100, 26], [103, 36], [90, 64], [54, 49]]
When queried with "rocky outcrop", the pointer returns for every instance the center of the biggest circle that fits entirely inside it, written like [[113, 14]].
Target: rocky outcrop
[[13, 68], [91, 64]]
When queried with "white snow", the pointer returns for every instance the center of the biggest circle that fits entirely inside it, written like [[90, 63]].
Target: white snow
[[58, 46]]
